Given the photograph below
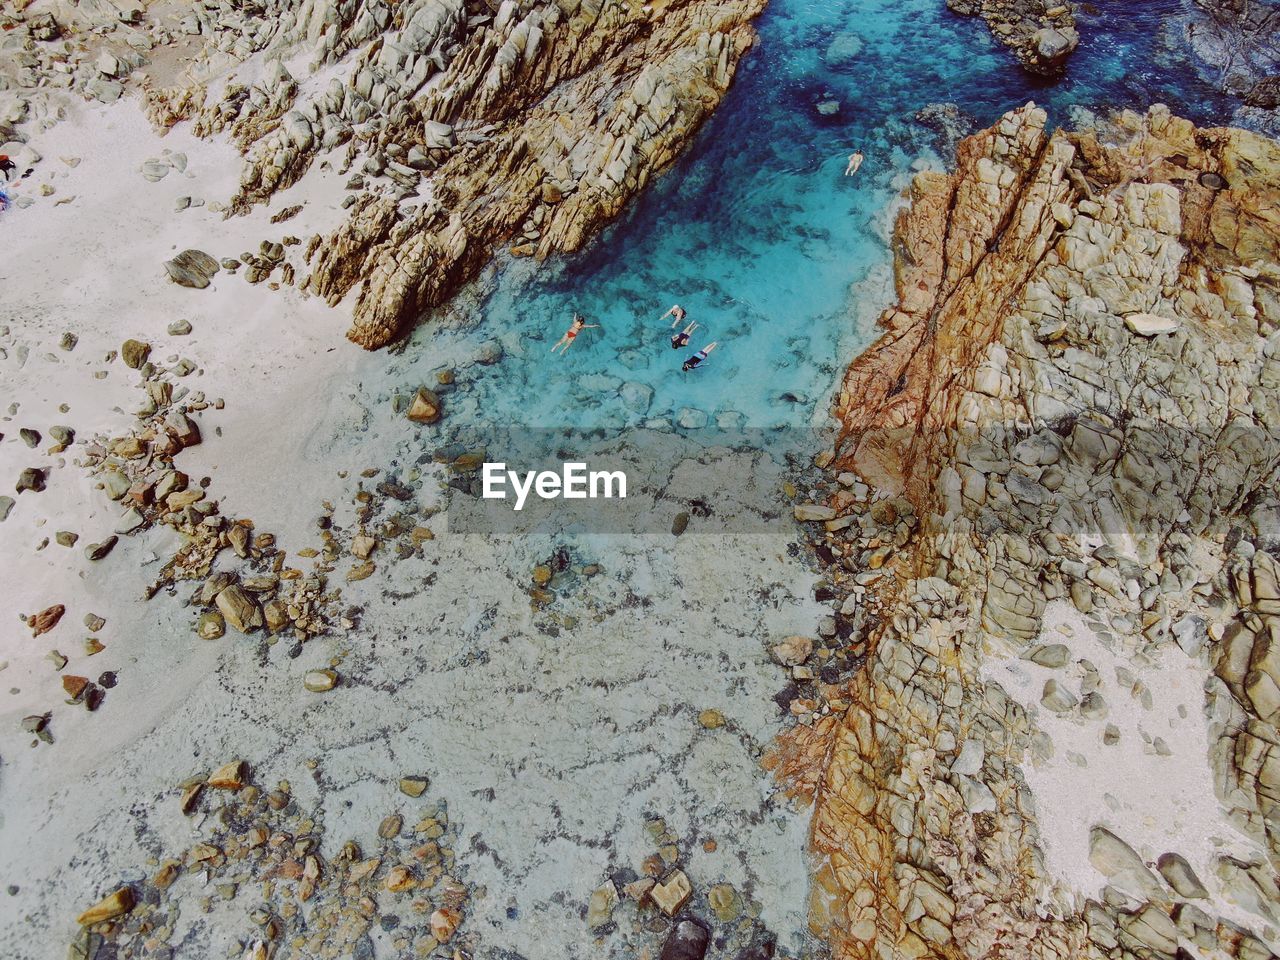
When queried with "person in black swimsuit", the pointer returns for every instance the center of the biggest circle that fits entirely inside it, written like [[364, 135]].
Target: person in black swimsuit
[[681, 339], [698, 357]]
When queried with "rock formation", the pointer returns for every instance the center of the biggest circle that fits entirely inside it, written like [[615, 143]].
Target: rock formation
[[1074, 407], [1239, 42], [529, 125], [1040, 33], [522, 125]]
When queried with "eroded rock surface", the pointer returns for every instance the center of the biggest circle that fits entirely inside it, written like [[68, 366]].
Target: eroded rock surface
[[1057, 459], [1239, 44], [466, 128], [527, 128], [1041, 34]]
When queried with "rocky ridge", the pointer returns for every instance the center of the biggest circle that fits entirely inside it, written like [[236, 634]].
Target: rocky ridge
[[1239, 43], [1076, 399], [466, 128], [525, 126], [1041, 34]]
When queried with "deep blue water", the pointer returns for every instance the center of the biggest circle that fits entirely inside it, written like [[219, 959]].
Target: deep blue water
[[759, 236]]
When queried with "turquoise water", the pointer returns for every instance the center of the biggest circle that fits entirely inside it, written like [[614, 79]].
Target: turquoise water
[[759, 236]]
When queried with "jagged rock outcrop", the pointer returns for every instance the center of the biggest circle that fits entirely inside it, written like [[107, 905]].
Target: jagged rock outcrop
[[542, 159], [1053, 447], [466, 127], [528, 125], [1041, 33], [1238, 41]]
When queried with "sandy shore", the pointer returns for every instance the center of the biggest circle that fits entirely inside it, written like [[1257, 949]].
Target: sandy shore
[[552, 747]]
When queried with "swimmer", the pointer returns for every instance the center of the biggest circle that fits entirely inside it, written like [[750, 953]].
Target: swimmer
[[681, 339], [855, 161], [579, 324], [698, 357], [676, 311]]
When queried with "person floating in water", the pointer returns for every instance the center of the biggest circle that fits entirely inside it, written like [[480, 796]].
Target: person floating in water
[[681, 339], [579, 324], [676, 311], [855, 161], [698, 357]]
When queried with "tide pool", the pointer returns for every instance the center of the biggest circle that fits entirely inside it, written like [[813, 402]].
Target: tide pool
[[781, 259]]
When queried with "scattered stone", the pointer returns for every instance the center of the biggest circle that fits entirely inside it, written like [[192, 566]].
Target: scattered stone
[[32, 478], [239, 609], [192, 268], [6, 505], [1057, 697], [66, 538], [134, 353], [425, 407], [600, 907], [792, 651], [390, 826], [688, 940], [361, 571], [725, 902], [1093, 706], [230, 776], [444, 923], [399, 879], [814, 512], [179, 328], [46, 619], [211, 625], [30, 437], [94, 622], [108, 908], [96, 551], [672, 893], [414, 786], [320, 681], [711, 719], [92, 646], [1052, 655], [74, 686]]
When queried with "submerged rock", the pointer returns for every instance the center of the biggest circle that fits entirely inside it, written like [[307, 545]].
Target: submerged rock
[[1042, 36], [688, 940], [108, 908], [425, 407]]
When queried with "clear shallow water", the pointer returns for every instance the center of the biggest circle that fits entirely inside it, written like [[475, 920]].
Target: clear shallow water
[[755, 231]]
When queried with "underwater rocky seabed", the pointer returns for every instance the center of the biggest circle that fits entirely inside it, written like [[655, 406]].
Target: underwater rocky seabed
[[555, 738]]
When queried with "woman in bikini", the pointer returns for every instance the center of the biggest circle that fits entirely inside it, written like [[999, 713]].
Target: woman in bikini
[[681, 339], [579, 324], [698, 357]]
